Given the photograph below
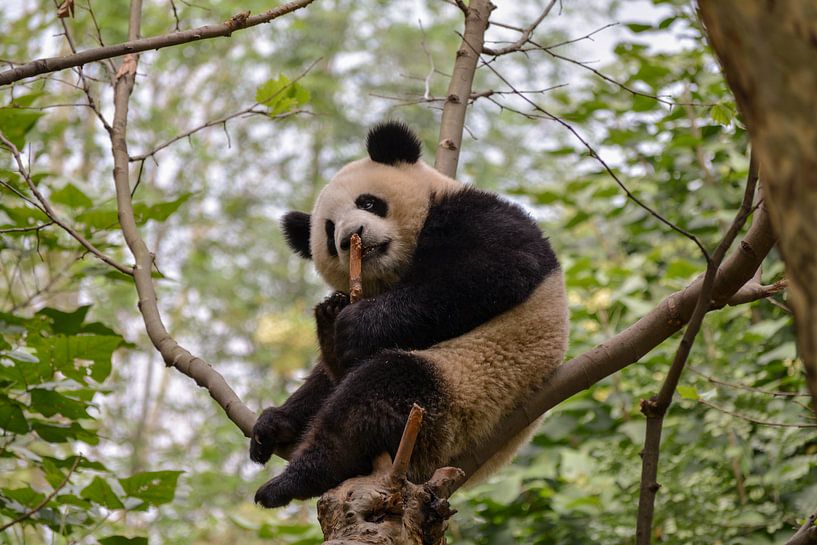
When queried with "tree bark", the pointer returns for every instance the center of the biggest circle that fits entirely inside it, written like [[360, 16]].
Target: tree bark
[[768, 51]]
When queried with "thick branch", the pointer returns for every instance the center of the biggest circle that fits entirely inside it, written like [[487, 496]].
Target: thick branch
[[631, 344], [173, 354], [767, 51], [459, 90], [133, 45], [655, 409]]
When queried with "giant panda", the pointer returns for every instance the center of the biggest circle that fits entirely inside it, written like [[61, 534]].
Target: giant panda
[[464, 313]]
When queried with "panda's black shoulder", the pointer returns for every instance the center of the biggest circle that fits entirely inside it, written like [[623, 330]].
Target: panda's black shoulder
[[473, 221]]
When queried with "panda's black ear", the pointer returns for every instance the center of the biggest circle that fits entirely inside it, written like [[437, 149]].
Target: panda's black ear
[[392, 142], [296, 232]]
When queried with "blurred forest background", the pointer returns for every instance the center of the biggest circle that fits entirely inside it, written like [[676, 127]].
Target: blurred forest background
[[126, 451]]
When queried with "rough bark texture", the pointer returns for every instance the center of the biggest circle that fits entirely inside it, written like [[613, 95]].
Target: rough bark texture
[[768, 51], [384, 508]]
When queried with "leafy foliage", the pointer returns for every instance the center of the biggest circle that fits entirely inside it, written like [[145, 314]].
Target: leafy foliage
[[52, 366]]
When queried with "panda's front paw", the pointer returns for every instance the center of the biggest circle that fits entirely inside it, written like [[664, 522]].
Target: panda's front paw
[[274, 493], [327, 312], [355, 337], [272, 430]]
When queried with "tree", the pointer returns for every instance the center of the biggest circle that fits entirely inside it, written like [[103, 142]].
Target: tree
[[698, 162]]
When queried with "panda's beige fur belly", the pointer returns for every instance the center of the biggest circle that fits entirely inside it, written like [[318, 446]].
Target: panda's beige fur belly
[[491, 370]]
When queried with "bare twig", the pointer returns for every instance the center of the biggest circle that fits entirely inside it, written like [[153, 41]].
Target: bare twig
[[83, 80], [46, 208], [355, 269], [407, 441], [255, 109], [26, 229], [175, 15], [172, 353], [48, 498], [754, 420], [656, 407], [736, 386], [459, 89], [526, 34], [252, 110], [237, 22], [753, 291]]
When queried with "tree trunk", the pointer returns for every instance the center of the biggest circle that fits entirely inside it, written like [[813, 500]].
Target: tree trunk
[[768, 50]]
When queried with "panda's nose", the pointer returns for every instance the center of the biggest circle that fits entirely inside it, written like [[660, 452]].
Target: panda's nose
[[346, 241]]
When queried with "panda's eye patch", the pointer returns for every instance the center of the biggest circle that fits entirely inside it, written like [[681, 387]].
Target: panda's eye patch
[[330, 238], [372, 204]]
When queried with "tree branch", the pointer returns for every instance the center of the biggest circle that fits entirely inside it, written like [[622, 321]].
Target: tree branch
[[239, 21], [526, 34], [631, 344], [459, 89], [807, 534], [172, 353], [656, 407]]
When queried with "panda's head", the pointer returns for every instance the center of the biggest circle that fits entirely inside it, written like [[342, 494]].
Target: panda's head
[[384, 198]]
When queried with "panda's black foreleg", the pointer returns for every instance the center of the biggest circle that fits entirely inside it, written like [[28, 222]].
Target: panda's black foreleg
[[280, 428], [325, 314], [363, 418]]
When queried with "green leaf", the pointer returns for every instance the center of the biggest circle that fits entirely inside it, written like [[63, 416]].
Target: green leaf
[[63, 352], [122, 540], [638, 27], [152, 487], [65, 322], [49, 403], [17, 121], [11, 416], [101, 217], [281, 95], [688, 392], [100, 492], [71, 196], [160, 211], [54, 433], [722, 114], [25, 496]]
